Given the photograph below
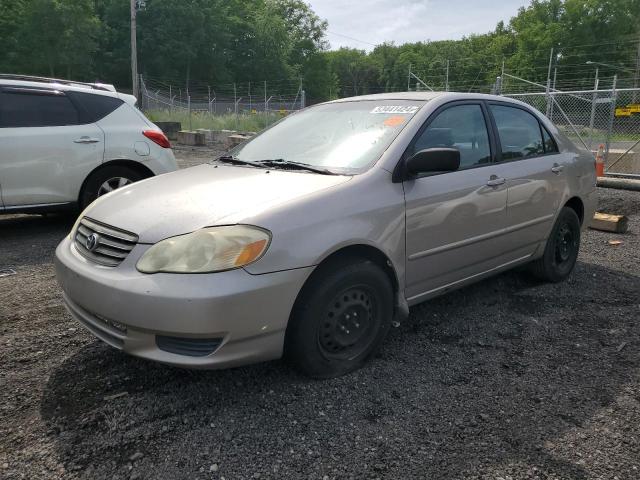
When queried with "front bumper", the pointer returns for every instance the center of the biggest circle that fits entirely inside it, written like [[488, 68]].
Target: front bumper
[[247, 313]]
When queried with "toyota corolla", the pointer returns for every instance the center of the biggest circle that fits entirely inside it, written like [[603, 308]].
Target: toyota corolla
[[308, 240]]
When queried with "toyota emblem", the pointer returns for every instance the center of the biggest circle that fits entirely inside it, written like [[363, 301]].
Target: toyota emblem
[[92, 242]]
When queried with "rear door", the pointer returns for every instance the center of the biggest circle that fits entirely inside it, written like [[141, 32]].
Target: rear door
[[46, 151], [455, 221], [535, 172]]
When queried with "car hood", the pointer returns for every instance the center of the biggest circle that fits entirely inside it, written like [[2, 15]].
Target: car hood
[[186, 200]]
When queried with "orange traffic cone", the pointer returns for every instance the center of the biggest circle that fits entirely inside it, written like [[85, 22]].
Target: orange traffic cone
[[600, 161]]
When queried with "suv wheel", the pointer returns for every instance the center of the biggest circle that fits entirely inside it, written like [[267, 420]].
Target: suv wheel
[[106, 180], [561, 251], [340, 318]]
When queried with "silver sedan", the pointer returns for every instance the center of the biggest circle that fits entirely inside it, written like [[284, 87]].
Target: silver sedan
[[308, 240]]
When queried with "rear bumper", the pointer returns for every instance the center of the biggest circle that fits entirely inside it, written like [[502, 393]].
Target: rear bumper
[[129, 310], [162, 160]]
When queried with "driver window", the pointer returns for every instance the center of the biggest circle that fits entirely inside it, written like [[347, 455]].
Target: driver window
[[461, 127]]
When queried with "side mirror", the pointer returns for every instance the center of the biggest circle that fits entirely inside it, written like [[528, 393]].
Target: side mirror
[[434, 160]]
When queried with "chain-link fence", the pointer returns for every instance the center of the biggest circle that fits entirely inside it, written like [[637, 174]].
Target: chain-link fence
[[241, 106], [597, 117]]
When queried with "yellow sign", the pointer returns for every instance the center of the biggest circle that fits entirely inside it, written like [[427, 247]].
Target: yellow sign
[[623, 112], [634, 107]]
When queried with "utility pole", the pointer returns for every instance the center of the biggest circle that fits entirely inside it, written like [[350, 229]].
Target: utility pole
[[134, 51]]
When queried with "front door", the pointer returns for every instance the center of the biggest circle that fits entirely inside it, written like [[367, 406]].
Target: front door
[[455, 221], [45, 153]]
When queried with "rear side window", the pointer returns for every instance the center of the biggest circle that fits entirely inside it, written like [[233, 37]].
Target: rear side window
[[519, 131], [23, 108], [94, 107], [461, 127], [549, 143]]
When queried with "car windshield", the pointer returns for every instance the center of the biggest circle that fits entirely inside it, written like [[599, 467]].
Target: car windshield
[[344, 137]]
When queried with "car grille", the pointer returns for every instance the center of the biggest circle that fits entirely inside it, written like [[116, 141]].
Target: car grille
[[191, 347], [103, 244]]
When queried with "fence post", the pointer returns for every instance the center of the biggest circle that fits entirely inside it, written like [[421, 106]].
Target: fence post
[[446, 82], [189, 110], [266, 115], [235, 104], [548, 95], [612, 116], [594, 102], [555, 77], [170, 99], [303, 99], [209, 98]]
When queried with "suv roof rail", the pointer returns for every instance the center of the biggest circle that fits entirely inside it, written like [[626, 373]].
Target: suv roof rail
[[31, 78]]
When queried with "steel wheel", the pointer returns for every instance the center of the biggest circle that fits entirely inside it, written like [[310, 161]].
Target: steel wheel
[[340, 317], [561, 250], [349, 324], [113, 184], [565, 244]]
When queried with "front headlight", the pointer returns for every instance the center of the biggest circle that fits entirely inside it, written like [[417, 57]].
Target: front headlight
[[211, 249]]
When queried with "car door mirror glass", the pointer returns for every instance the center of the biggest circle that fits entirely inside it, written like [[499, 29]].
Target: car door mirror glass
[[434, 160]]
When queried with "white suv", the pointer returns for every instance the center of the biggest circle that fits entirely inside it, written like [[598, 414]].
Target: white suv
[[63, 144]]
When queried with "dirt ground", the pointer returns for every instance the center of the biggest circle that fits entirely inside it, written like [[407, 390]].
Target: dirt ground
[[507, 379]]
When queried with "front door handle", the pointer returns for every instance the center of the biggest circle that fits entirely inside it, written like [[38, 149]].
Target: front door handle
[[86, 140], [495, 181], [557, 168]]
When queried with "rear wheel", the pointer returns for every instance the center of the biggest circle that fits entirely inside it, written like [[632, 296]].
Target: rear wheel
[[340, 319], [107, 180], [561, 250]]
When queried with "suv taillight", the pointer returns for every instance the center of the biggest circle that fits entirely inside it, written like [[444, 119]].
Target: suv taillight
[[157, 137]]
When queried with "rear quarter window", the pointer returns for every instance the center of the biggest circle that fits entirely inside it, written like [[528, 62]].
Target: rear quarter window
[[94, 107]]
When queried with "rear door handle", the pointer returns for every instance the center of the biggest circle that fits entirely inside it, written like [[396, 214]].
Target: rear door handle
[[557, 168], [86, 140], [496, 181]]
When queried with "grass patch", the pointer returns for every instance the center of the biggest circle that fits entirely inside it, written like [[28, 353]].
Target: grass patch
[[242, 122]]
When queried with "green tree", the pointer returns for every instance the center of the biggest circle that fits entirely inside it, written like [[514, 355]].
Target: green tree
[[11, 13], [61, 42]]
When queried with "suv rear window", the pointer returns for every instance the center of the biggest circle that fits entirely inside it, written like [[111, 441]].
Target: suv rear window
[[36, 108], [94, 107]]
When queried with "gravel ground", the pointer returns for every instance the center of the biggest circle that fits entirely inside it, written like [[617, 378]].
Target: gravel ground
[[507, 379]]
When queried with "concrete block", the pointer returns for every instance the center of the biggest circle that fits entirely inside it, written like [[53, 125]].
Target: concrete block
[[234, 140], [191, 138], [170, 129], [221, 135], [208, 134]]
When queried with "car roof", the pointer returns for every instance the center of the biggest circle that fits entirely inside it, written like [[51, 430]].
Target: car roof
[[426, 96], [64, 86]]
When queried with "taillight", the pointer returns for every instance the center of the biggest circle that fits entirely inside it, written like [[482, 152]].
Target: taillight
[[157, 137]]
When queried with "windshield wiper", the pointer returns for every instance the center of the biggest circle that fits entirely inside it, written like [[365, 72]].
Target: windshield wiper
[[236, 161], [280, 162]]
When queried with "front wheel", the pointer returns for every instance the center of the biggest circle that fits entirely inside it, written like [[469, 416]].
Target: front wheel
[[340, 318], [561, 250]]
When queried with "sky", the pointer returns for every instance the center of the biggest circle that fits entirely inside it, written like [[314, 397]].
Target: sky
[[365, 23]]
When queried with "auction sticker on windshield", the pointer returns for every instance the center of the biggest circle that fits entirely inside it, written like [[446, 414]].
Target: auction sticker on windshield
[[397, 109]]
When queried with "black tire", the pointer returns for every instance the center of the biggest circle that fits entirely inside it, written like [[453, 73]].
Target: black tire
[[340, 318], [561, 250], [91, 189]]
